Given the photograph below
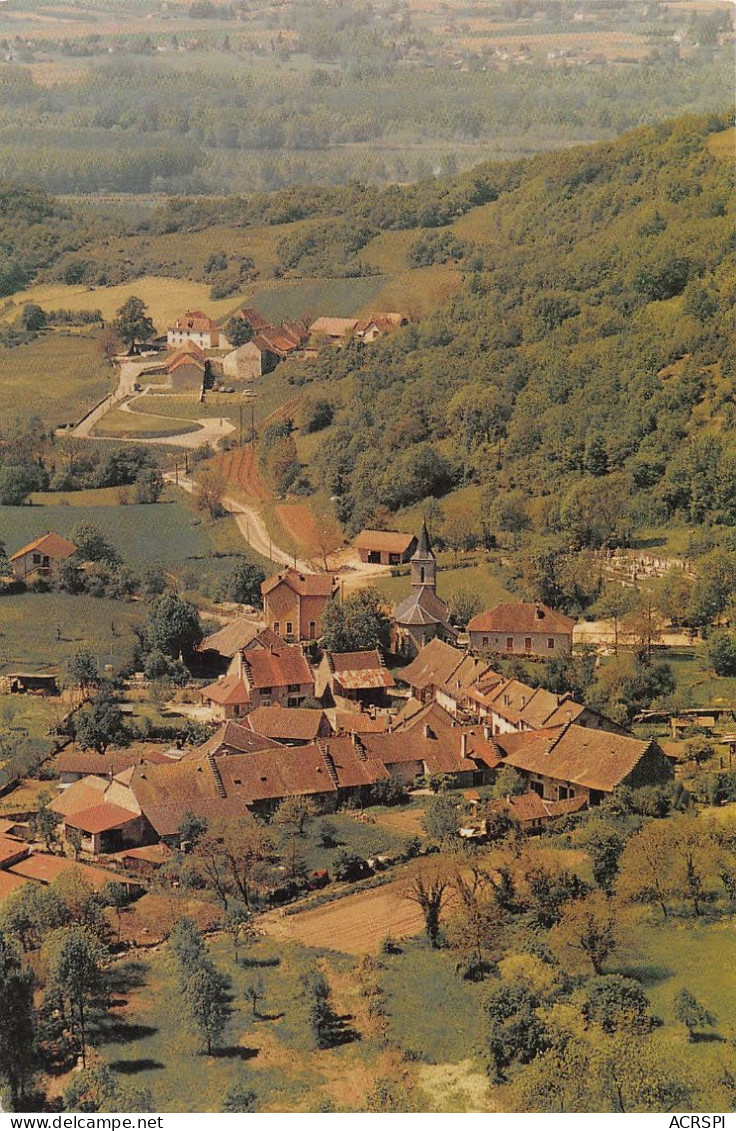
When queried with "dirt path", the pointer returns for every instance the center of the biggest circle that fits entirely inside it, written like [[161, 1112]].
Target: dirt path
[[250, 524]]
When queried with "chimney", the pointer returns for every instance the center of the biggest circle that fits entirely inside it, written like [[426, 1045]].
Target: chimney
[[538, 612], [463, 745]]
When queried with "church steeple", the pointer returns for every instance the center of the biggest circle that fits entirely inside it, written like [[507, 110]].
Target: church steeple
[[423, 563]]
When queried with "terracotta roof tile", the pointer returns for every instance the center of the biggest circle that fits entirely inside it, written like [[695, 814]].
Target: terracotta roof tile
[[100, 818], [278, 668], [522, 617], [305, 584], [51, 544], [298, 723]]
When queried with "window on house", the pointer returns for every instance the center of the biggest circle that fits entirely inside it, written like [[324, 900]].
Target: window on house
[[289, 628], [265, 700], [266, 690], [394, 559], [527, 643], [550, 642], [509, 643], [485, 641], [312, 629], [421, 575], [295, 687], [277, 626], [36, 559]]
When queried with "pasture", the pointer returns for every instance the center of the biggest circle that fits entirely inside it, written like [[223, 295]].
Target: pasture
[[58, 377]]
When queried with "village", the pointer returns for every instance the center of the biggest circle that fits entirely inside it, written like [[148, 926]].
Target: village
[[292, 721]]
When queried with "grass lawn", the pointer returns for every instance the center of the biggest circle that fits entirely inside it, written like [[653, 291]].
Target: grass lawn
[[687, 953], [366, 840], [93, 497], [57, 377], [130, 425], [43, 629], [30, 716], [695, 677], [170, 534]]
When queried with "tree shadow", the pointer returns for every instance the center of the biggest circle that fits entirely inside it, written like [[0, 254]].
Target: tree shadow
[[235, 1052], [341, 1031], [706, 1038], [114, 1030], [648, 974], [130, 1067], [126, 976], [247, 963], [269, 1016]]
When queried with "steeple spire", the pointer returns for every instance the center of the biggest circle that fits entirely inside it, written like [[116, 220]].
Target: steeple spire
[[423, 562]]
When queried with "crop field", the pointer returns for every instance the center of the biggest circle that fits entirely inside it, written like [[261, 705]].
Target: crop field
[[57, 377], [356, 924]]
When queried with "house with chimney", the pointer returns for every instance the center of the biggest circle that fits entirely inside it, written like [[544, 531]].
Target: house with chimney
[[294, 602], [522, 629], [266, 671], [194, 326], [423, 615]]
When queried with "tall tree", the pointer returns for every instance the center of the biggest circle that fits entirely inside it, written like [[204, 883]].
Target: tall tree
[[132, 324], [358, 624], [17, 1022], [76, 973], [174, 627], [427, 887]]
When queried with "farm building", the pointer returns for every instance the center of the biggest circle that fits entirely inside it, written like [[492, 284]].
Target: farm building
[[522, 629], [335, 329], [249, 361], [275, 673], [293, 727], [571, 761], [294, 602], [40, 557], [33, 683], [385, 547], [187, 373], [105, 828], [377, 325]]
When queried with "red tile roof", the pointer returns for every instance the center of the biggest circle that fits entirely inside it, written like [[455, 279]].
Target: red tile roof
[[298, 723], [357, 671], [305, 584], [359, 722], [277, 668], [384, 541], [231, 637], [45, 869], [10, 883], [233, 738], [229, 691], [595, 759], [11, 850], [100, 818], [522, 617], [51, 544], [195, 320]]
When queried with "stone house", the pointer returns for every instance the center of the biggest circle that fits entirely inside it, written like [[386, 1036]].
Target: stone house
[[194, 326], [522, 629], [347, 679], [294, 602]]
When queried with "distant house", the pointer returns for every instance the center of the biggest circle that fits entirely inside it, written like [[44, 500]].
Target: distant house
[[377, 325], [33, 683], [385, 547], [105, 828], [39, 558], [228, 697], [218, 649], [571, 761], [532, 813], [522, 629], [336, 329], [294, 602], [347, 679], [194, 326], [423, 615]]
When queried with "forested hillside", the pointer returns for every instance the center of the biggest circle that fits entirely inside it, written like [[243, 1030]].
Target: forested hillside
[[583, 380]]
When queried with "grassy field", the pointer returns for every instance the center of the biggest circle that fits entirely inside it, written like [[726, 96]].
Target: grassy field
[[132, 425], [150, 1045], [450, 580], [57, 377], [42, 629]]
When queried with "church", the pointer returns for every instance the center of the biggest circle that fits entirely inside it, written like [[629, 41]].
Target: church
[[423, 615]]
